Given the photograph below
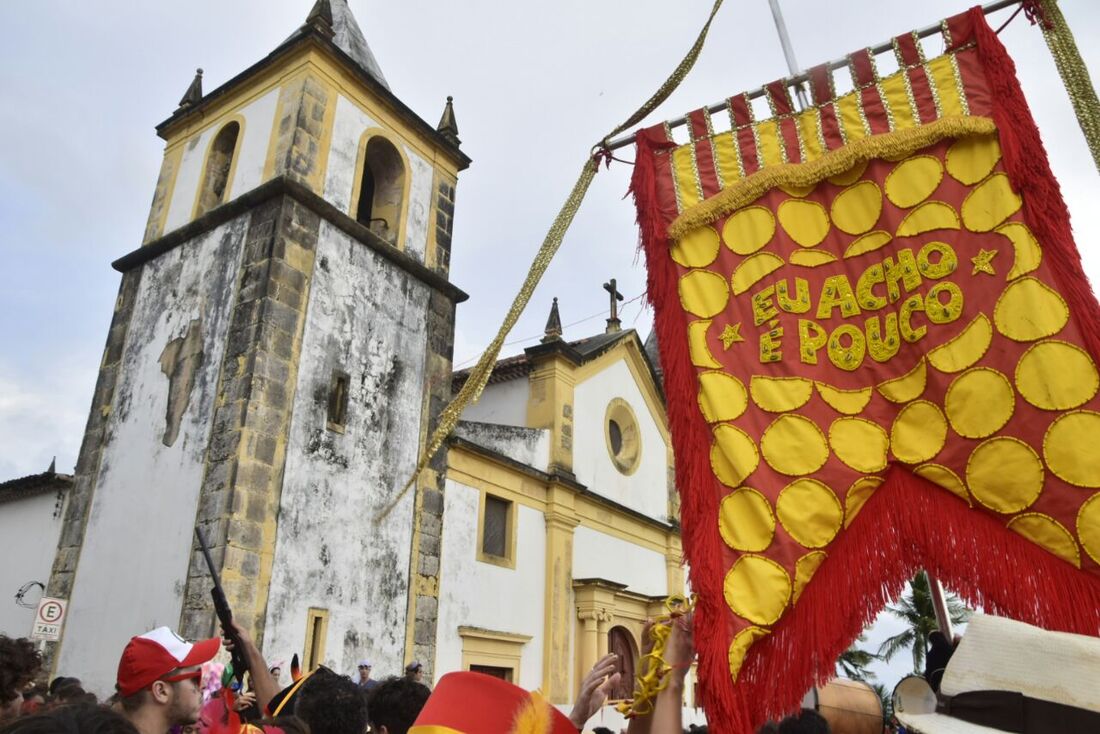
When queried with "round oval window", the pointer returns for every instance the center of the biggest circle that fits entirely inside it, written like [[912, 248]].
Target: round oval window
[[623, 440]]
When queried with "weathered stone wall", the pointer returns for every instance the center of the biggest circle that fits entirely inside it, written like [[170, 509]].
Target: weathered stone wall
[[366, 318], [299, 131], [129, 525]]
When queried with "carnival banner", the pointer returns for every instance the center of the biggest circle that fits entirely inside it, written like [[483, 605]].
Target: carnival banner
[[880, 356]]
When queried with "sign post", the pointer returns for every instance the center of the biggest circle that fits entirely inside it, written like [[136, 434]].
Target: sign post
[[48, 619]]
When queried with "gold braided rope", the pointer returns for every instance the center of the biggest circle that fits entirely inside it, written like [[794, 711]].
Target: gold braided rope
[[479, 375], [653, 677], [1074, 73]]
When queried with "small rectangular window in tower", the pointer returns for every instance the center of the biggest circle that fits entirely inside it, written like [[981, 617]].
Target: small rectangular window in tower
[[338, 401], [497, 528], [494, 670], [316, 631]]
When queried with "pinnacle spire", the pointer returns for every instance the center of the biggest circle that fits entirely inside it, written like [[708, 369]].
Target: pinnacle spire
[[193, 95], [53, 466], [449, 127], [553, 324], [320, 17]]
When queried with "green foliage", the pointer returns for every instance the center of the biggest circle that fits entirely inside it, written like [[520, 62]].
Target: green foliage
[[853, 662], [916, 609]]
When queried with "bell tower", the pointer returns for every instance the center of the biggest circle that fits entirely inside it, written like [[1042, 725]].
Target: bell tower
[[280, 348]]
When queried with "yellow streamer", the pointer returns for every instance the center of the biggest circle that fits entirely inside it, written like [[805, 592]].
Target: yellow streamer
[[1074, 73], [479, 375], [653, 676]]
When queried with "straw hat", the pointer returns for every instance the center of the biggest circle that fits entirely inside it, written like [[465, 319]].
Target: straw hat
[[1029, 678]]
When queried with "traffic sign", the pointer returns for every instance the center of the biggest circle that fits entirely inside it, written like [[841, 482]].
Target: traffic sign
[[48, 619]]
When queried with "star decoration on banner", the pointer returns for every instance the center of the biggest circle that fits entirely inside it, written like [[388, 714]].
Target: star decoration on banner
[[983, 262], [731, 335]]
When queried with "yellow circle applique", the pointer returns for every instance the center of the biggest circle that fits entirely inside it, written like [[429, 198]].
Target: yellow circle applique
[[1070, 448], [1056, 375], [918, 432], [811, 258], [805, 221], [739, 648], [979, 402], [850, 176], [908, 387], [964, 349], [1025, 248], [944, 477], [797, 191], [929, 216], [804, 570], [722, 396], [859, 443], [1029, 309], [857, 495], [780, 394], [697, 249], [753, 269], [733, 455], [990, 203], [868, 243], [794, 445], [703, 293], [758, 589], [749, 229], [1048, 533], [745, 520], [913, 180], [697, 345], [971, 159], [1088, 526], [857, 208], [848, 402], [810, 512], [1005, 474]]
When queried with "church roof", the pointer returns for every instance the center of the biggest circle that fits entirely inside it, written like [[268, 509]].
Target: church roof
[[35, 484], [346, 35]]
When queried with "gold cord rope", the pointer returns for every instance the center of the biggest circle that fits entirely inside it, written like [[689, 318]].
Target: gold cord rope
[[653, 676], [479, 374], [1074, 73]]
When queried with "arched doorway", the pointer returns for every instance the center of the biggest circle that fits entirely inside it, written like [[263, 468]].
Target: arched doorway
[[620, 642]]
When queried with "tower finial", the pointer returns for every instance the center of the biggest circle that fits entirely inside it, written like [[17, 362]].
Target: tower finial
[[193, 95], [447, 124], [320, 17], [613, 323], [553, 324]]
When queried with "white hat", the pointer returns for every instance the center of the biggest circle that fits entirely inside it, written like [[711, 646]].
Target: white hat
[[998, 654]]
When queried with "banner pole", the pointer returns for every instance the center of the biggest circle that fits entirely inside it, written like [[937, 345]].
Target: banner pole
[[788, 52], [939, 603]]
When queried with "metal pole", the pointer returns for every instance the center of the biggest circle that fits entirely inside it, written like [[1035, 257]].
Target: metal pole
[[798, 79], [939, 603], [788, 51]]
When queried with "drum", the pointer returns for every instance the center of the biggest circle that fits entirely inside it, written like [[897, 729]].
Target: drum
[[913, 695], [850, 706]]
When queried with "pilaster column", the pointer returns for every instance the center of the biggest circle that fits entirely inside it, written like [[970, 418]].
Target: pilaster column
[[589, 644], [561, 519], [603, 626]]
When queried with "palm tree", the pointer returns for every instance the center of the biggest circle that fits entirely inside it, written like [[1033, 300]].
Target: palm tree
[[853, 662], [916, 609]]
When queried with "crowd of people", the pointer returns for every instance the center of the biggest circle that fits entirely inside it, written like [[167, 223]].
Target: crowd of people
[[166, 685]]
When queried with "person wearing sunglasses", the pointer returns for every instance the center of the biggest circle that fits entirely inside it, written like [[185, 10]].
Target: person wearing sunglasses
[[159, 680]]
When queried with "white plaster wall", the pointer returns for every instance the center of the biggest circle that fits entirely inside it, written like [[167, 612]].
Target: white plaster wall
[[348, 127], [646, 490], [530, 446], [28, 542], [133, 566], [366, 317], [599, 555], [259, 120], [502, 402], [259, 123], [182, 204], [476, 594]]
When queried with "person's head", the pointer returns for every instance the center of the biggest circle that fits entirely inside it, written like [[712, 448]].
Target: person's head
[[602, 730], [807, 721], [331, 704], [414, 671], [62, 680], [19, 664], [160, 676], [769, 728], [78, 719], [395, 704], [364, 670], [70, 693]]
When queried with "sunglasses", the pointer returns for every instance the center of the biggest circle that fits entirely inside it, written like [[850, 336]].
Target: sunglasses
[[194, 674]]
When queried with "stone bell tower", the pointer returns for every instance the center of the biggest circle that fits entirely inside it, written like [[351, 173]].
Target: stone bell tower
[[280, 347]]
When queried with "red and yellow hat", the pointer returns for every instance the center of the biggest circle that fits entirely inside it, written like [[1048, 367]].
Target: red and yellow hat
[[473, 703]]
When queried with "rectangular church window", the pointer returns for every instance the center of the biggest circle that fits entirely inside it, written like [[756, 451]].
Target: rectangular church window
[[338, 401], [316, 632], [495, 527], [493, 670]]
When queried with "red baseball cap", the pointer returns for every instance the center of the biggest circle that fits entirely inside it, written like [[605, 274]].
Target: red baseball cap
[[155, 654]]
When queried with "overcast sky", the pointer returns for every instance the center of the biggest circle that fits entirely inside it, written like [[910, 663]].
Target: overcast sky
[[535, 85]]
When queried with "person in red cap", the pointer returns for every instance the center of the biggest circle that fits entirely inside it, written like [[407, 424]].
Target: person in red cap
[[159, 679]]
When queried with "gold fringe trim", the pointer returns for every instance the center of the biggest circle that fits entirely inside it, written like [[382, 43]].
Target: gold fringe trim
[[1075, 75], [897, 143]]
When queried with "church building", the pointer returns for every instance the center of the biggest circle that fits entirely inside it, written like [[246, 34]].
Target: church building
[[281, 346]]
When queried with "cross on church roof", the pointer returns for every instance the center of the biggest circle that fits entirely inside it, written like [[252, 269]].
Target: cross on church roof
[[613, 323]]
